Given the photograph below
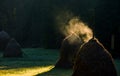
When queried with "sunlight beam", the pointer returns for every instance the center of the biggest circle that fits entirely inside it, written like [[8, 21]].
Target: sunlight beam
[[30, 71]]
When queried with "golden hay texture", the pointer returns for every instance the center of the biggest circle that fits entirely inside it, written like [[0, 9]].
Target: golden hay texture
[[13, 49], [94, 60]]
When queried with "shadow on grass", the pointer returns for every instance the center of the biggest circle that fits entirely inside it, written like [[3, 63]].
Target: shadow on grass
[[57, 72], [68, 72], [34, 58], [38, 62], [16, 63], [117, 64]]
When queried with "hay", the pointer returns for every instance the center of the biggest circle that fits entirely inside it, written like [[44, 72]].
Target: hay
[[4, 38], [69, 48], [13, 49], [94, 60]]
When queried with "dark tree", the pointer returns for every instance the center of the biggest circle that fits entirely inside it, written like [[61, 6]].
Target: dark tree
[[106, 18]]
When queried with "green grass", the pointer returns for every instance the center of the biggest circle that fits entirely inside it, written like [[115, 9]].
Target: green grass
[[36, 62], [117, 64]]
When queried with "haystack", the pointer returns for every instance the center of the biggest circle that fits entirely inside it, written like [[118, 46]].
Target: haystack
[[94, 60], [4, 38], [68, 50], [13, 49]]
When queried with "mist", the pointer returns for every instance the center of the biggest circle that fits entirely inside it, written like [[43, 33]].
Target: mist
[[69, 24]]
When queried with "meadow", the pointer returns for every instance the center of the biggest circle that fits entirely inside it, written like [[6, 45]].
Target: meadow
[[36, 62]]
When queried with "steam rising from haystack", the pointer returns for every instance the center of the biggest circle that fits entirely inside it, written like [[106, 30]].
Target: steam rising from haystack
[[68, 24], [79, 28]]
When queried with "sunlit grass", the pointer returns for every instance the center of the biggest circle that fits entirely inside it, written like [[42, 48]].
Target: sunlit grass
[[30, 71]]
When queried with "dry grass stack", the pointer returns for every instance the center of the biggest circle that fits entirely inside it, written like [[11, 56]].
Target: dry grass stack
[[76, 33], [4, 38], [94, 60], [13, 49], [68, 50]]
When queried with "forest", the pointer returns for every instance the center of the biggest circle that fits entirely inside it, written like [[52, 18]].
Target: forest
[[42, 23], [24, 19]]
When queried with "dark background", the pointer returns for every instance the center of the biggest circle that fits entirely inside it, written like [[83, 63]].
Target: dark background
[[33, 22]]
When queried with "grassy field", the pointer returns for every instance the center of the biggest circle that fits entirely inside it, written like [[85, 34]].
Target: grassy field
[[36, 62]]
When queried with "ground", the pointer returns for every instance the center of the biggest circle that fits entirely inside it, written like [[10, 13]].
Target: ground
[[36, 62]]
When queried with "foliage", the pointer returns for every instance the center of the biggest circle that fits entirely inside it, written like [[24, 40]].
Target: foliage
[[33, 23]]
